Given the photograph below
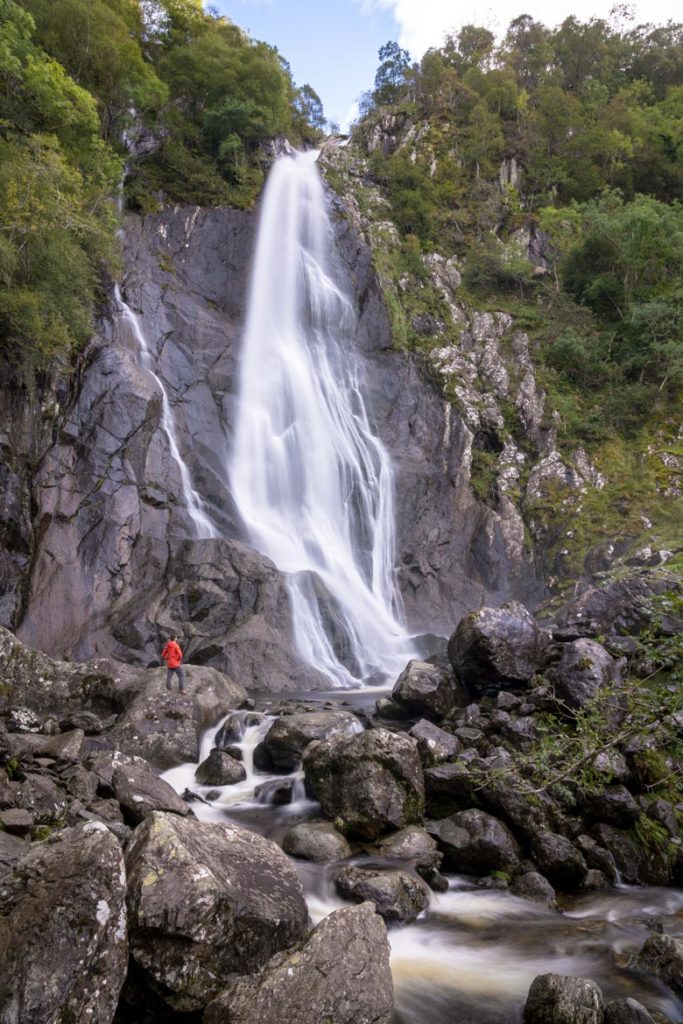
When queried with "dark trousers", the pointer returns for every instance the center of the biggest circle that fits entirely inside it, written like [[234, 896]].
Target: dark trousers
[[181, 677]]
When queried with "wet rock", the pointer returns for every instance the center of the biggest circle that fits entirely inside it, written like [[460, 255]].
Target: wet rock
[[397, 895], [627, 1011], [506, 798], [613, 805], [434, 745], [583, 670], [594, 879], [206, 900], [596, 856], [663, 813], [497, 648], [164, 728], [140, 792], [340, 973], [289, 736], [625, 852], [475, 843], [275, 791], [558, 999], [369, 784], [317, 841], [63, 929], [428, 690], [663, 956], [220, 769], [448, 788], [533, 886], [414, 845], [558, 859]]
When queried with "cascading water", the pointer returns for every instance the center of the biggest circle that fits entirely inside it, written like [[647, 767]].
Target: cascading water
[[194, 504], [312, 482]]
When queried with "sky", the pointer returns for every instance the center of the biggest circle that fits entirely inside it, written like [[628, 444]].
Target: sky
[[332, 44]]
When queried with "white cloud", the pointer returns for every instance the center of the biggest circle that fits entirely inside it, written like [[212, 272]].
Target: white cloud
[[424, 23]]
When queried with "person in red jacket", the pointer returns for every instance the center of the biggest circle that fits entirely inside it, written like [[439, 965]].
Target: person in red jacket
[[173, 657]]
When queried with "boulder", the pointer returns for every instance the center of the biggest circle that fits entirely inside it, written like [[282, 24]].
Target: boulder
[[475, 843], [368, 784], [220, 769], [613, 805], [428, 690], [12, 849], [434, 745], [559, 999], [415, 846], [276, 791], [340, 973], [289, 735], [533, 886], [397, 895], [41, 795], [448, 788], [206, 900], [16, 821], [140, 792], [626, 855], [67, 746], [63, 930], [317, 841], [662, 955], [583, 670], [525, 813], [558, 859], [497, 648], [165, 729], [627, 1011]]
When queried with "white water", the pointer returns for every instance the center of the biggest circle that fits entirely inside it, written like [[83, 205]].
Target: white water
[[312, 482], [194, 504]]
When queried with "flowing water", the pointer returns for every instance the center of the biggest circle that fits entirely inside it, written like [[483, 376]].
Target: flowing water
[[194, 504], [312, 481], [472, 955]]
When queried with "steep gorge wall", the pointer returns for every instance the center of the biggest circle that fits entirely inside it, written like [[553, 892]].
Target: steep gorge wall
[[114, 560]]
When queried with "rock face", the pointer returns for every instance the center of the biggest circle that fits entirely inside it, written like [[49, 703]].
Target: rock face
[[341, 974], [205, 901], [63, 943], [289, 736], [563, 1000], [369, 784], [496, 648]]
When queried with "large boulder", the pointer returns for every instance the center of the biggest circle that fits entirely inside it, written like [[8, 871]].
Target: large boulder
[[663, 956], [165, 729], [220, 769], [140, 792], [497, 648], [559, 999], [317, 841], [427, 690], [63, 943], [582, 671], [475, 843], [205, 901], [533, 886], [340, 973], [627, 1011], [449, 788], [289, 735], [368, 784], [558, 859], [397, 895], [434, 745]]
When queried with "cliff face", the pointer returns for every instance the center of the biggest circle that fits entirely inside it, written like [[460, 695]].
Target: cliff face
[[113, 557]]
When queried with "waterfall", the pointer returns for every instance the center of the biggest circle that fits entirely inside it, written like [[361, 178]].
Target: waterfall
[[194, 504], [312, 482]]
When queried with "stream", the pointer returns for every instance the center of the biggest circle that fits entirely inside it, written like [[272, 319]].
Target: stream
[[472, 955]]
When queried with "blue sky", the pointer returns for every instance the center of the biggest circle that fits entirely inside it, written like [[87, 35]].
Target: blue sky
[[333, 44]]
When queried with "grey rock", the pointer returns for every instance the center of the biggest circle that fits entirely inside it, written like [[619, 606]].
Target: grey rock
[[626, 854], [497, 648], [475, 843], [67, 746], [317, 841], [16, 821], [275, 791], [289, 735], [619, 607], [448, 788], [140, 792], [429, 690], [231, 896], [533, 886], [560, 999], [12, 849], [80, 783], [584, 669], [434, 745], [340, 973], [627, 1011], [220, 769], [415, 846], [558, 859], [368, 784], [397, 895], [614, 805], [63, 929], [40, 795], [663, 956]]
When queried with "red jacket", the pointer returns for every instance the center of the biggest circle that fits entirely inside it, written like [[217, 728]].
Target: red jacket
[[172, 654]]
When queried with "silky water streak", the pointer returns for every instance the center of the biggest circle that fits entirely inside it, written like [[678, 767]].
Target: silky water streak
[[312, 482]]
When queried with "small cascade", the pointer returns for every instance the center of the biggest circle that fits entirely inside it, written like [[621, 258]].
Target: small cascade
[[313, 483], [194, 504]]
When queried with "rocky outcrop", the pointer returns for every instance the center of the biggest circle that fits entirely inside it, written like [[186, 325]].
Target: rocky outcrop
[[63, 942], [341, 974], [205, 901]]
